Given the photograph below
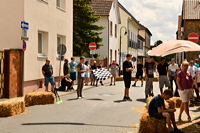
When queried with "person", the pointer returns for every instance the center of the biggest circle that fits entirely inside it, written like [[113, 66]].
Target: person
[[87, 74], [172, 74], [196, 63], [99, 67], [163, 70], [157, 110], [92, 76], [72, 68], [198, 81], [184, 82], [113, 70], [139, 73], [149, 75], [194, 72], [47, 72], [127, 75], [66, 67], [81, 77], [66, 81]]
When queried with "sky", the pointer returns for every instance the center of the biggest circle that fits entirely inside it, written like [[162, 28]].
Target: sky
[[159, 16]]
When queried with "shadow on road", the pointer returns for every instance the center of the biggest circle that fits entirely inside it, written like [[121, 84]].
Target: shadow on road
[[141, 100], [95, 99], [73, 123], [72, 99], [119, 101]]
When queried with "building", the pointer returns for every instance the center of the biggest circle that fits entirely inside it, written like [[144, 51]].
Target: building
[[50, 24], [189, 22], [110, 18]]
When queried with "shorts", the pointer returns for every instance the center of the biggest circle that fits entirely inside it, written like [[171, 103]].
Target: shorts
[[139, 76], [163, 80], [92, 76], [158, 115], [73, 75], [49, 79], [87, 74], [114, 74], [184, 95], [127, 83]]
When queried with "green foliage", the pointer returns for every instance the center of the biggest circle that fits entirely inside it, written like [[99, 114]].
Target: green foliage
[[158, 43], [84, 29]]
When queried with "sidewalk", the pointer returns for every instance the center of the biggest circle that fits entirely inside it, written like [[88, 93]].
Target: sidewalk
[[62, 93]]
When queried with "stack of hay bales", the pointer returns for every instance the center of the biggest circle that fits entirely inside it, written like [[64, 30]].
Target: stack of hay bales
[[11, 108], [39, 98]]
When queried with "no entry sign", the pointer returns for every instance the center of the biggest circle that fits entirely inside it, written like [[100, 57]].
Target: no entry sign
[[193, 37], [24, 46], [92, 46]]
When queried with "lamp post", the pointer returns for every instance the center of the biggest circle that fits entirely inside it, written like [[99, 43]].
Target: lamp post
[[120, 50]]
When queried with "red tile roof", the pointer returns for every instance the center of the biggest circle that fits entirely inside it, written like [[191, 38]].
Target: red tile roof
[[102, 7]]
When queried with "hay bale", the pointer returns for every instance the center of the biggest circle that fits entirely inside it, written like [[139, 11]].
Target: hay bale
[[177, 100], [39, 98], [171, 104], [151, 125], [148, 100], [11, 108]]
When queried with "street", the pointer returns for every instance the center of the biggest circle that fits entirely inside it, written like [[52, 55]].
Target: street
[[101, 111]]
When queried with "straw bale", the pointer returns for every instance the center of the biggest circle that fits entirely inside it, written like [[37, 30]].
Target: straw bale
[[151, 125], [177, 100], [39, 98], [148, 100], [11, 108], [171, 104]]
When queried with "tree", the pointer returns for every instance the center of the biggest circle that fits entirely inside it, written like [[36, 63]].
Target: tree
[[84, 29], [158, 43]]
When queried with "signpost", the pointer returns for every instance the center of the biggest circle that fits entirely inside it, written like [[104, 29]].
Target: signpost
[[193, 37], [92, 47], [24, 26], [24, 45]]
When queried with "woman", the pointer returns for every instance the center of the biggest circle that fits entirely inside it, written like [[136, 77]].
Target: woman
[[87, 74], [184, 82]]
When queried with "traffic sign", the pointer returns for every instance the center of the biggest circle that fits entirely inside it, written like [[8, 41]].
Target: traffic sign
[[24, 25], [24, 32], [24, 38], [61, 49], [92, 46], [193, 37], [24, 46], [92, 51]]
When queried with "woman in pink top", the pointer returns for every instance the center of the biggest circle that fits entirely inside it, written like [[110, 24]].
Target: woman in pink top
[[184, 82]]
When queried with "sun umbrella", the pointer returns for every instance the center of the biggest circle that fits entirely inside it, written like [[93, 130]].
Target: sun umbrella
[[175, 46]]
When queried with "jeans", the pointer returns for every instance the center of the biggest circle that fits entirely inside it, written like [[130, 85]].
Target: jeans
[[171, 83]]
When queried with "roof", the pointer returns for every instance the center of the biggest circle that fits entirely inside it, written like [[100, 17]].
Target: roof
[[102, 7], [145, 28], [191, 9]]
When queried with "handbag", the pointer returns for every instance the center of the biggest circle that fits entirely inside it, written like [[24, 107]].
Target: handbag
[[191, 94]]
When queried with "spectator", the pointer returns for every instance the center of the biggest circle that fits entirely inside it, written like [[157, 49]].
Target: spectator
[[139, 73], [92, 76], [99, 67], [113, 70], [127, 75], [81, 77], [196, 63], [149, 75], [198, 81], [72, 68], [66, 67], [47, 71], [172, 74], [87, 74], [66, 82], [163, 70], [184, 82], [157, 110]]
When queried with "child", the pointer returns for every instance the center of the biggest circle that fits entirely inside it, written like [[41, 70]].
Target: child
[[66, 81], [157, 110]]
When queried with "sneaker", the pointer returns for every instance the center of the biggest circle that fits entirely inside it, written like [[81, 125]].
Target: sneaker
[[102, 84], [82, 96], [125, 99], [96, 85], [114, 84], [129, 99], [134, 85], [91, 84], [152, 94], [141, 85], [146, 96], [79, 97], [110, 84], [176, 130]]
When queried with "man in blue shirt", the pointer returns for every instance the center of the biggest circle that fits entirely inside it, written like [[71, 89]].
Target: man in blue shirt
[[157, 110], [72, 70]]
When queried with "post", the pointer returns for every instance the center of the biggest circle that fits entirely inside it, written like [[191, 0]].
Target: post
[[60, 65]]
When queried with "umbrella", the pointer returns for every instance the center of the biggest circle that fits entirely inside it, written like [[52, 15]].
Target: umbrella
[[175, 46]]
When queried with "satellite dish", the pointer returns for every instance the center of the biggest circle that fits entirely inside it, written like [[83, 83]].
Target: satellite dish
[[61, 49]]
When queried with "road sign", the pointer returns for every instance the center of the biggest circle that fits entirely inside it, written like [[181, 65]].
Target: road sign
[[61, 49], [92, 46], [24, 25], [193, 37], [24, 32], [92, 51], [24, 38], [24, 46]]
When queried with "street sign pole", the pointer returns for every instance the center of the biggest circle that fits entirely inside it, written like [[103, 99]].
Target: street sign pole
[[60, 67]]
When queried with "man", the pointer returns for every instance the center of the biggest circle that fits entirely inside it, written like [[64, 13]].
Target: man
[[196, 63], [139, 73], [113, 70], [72, 68], [157, 110], [93, 78], [81, 77], [172, 74], [149, 75], [127, 75], [66, 67], [163, 70], [47, 72], [66, 81]]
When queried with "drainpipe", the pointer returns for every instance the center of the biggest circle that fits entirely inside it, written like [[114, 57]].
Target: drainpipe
[[108, 42]]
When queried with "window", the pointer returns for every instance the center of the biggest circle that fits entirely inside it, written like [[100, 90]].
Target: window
[[60, 4], [111, 28], [59, 40], [40, 43], [115, 30]]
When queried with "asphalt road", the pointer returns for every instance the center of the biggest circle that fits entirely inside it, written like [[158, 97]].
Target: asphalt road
[[101, 111]]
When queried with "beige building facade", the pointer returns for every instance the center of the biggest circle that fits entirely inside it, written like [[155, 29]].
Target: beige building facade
[[50, 24]]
